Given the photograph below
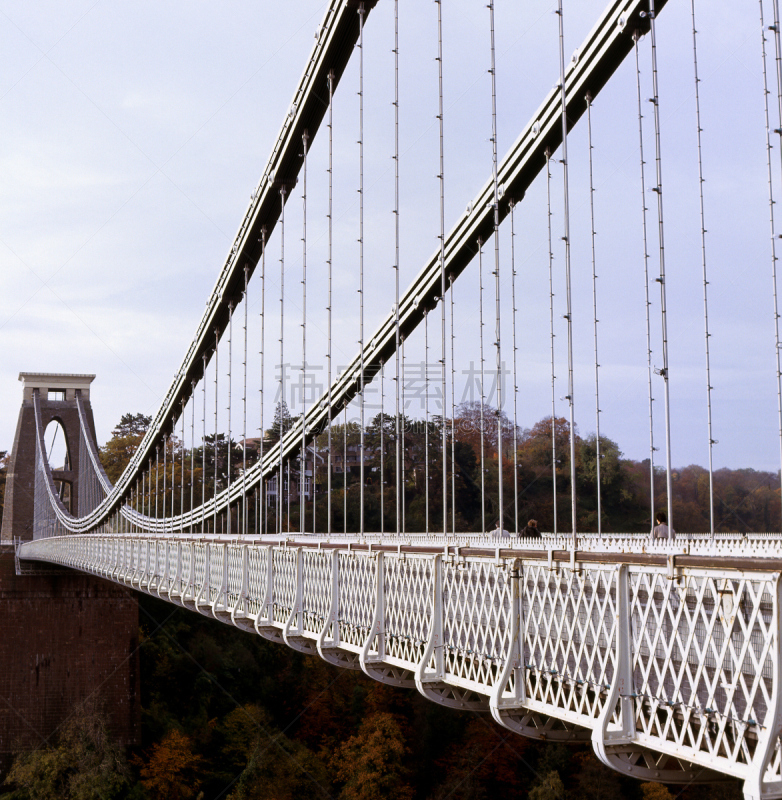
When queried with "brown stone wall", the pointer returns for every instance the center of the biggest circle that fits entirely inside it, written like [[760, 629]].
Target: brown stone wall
[[64, 639]]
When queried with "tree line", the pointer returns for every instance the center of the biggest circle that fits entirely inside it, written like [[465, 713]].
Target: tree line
[[532, 462]]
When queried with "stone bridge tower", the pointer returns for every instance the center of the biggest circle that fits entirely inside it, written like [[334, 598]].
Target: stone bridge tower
[[57, 395], [65, 637]]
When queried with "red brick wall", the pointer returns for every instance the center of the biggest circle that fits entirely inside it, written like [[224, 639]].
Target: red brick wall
[[63, 639]]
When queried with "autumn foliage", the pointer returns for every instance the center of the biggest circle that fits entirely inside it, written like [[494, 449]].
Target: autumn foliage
[[170, 770]]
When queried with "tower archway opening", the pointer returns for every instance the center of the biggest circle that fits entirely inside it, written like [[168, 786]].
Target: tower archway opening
[[56, 447]]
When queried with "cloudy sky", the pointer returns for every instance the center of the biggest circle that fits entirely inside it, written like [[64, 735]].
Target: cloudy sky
[[133, 134]]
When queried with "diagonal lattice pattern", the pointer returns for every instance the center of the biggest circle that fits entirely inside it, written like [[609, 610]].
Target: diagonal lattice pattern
[[702, 663], [476, 621], [257, 570], [199, 568], [408, 587], [316, 589], [186, 556], [235, 571], [569, 630], [357, 576], [216, 566], [283, 583]]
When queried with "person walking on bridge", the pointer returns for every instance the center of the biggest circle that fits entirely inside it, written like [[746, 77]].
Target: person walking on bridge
[[662, 530], [531, 531]]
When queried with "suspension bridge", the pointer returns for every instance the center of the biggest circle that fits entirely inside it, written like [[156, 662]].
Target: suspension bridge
[[666, 654]]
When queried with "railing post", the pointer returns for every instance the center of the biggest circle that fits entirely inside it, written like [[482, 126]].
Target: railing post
[[115, 551], [502, 698], [119, 571], [621, 686], [264, 618], [202, 596], [221, 593], [297, 607], [755, 787], [377, 626], [331, 623], [164, 579], [189, 590], [434, 647], [176, 583], [129, 565], [143, 564], [241, 595]]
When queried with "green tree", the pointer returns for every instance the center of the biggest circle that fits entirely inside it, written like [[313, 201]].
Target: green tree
[[85, 765], [283, 421], [549, 787], [132, 425], [115, 455]]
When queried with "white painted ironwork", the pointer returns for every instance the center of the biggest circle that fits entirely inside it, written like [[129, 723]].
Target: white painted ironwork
[[672, 671]]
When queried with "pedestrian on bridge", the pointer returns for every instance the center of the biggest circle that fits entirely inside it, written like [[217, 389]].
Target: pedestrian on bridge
[[500, 532], [661, 530], [531, 531]]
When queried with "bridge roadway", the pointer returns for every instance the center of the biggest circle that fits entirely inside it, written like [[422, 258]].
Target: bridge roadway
[[665, 656]]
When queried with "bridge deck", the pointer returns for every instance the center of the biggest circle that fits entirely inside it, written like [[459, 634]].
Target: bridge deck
[[668, 662]]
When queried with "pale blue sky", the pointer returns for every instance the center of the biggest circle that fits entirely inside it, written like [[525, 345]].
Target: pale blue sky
[[133, 134]]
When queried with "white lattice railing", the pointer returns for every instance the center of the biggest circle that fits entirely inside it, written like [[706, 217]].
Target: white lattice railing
[[672, 671]]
